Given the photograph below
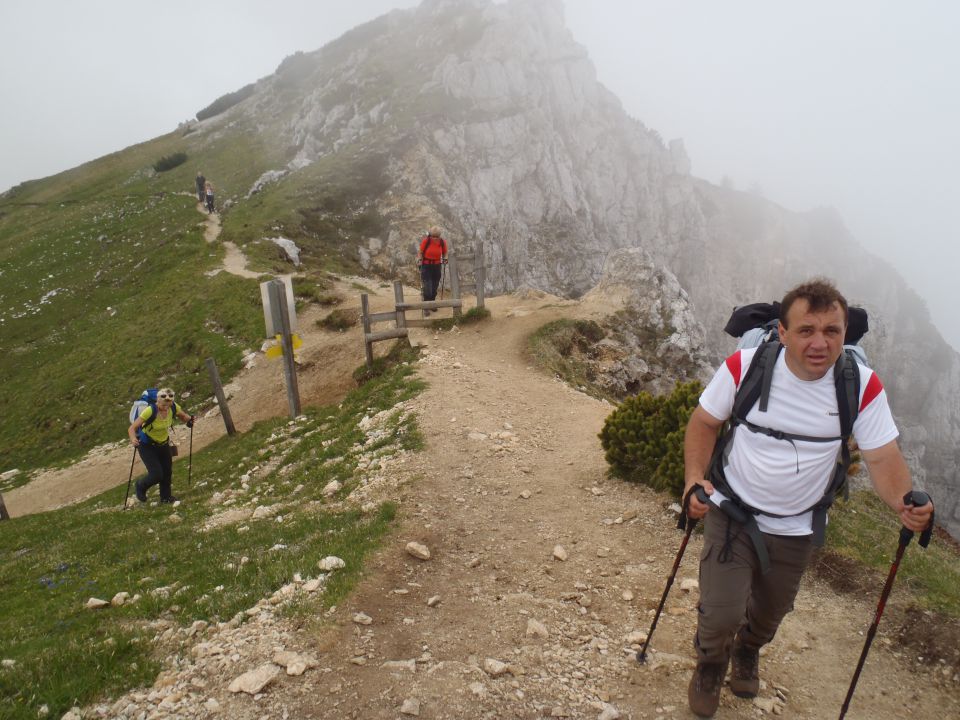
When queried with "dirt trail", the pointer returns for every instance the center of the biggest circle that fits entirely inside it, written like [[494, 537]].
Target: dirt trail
[[493, 570], [513, 468]]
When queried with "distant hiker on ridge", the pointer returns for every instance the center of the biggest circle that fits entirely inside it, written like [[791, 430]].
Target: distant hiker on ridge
[[208, 189], [150, 434], [792, 404], [201, 187], [431, 258]]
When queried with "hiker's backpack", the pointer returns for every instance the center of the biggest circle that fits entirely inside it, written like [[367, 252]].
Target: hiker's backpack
[[756, 326], [147, 399]]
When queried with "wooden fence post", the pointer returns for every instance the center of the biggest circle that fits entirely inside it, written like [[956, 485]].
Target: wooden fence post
[[278, 298], [365, 315], [221, 397], [454, 279], [398, 299], [479, 272], [4, 515]]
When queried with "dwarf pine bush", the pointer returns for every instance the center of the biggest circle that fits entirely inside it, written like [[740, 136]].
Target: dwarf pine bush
[[168, 162], [643, 437]]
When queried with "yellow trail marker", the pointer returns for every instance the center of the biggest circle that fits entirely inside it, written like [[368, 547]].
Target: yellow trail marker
[[276, 351]]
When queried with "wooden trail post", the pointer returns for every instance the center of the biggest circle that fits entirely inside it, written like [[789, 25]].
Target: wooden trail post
[[278, 306], [479, 271], [221, 397], [4, 515], [365, 314], [454, 280]]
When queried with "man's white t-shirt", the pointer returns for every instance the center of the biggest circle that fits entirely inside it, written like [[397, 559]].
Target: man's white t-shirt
[[780, 476]]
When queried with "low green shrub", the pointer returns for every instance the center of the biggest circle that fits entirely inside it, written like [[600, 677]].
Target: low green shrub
[[643, 437], [225, 102], [168, 162], [339, 319]]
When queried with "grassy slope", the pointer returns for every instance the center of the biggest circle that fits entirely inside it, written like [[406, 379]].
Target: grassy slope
[[51, 564], [104, 293]]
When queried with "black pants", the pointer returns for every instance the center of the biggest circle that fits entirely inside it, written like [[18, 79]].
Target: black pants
[[209, 203], [430, 275], [159, 464]]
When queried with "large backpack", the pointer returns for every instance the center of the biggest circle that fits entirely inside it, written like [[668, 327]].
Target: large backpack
[[147, 399], [757, 324]]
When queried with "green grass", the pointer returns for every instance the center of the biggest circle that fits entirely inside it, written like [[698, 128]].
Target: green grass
[[559, 347], [108, 298], [50, 564], [865, 530], [470, 317], [103, 293]]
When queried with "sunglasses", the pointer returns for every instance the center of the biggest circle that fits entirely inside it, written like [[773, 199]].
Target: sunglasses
[[165, 396]]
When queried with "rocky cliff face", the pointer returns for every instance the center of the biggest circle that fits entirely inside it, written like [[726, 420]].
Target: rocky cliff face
[[488, 119]]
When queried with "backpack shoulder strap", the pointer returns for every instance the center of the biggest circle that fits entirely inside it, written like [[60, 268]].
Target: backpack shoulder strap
[[756, 383], [153, 415], [847, 378]]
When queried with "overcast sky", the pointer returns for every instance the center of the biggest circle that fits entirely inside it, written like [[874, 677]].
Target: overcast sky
[[853, 104]]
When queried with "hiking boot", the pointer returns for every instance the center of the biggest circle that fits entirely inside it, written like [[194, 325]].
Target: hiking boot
[[744, 676], [703, 694], [170, 499], [141, 495]]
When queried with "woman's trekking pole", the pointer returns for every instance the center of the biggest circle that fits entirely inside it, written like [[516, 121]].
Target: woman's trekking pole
[[130, 479], [917, 499], [190, 461], [684, 522]]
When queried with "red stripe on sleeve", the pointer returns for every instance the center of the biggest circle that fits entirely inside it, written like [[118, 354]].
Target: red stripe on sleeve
[[733, 365], [874, 388]]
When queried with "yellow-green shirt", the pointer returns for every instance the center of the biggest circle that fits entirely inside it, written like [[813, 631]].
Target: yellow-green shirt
[[159, 431]]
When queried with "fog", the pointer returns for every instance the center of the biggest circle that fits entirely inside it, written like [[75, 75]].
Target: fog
[[852, 105]]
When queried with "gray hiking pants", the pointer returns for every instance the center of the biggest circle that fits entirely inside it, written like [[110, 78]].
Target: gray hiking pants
[[735, 597]]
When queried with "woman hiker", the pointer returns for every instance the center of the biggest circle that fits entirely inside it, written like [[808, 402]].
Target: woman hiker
[[151, 436], [209, 190]]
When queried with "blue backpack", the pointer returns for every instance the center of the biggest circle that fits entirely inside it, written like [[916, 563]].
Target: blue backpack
[[147, 399]]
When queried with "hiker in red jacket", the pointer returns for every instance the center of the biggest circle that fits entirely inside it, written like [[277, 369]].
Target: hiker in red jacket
[[431, 259]]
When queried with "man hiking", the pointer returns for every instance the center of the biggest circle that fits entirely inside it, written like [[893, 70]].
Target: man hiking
[[201, 187], [431, 258], [771, 477]]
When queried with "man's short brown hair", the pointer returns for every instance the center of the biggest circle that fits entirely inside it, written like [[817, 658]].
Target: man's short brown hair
[[820, 295]]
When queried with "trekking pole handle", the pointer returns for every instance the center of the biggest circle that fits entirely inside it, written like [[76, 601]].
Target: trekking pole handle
[[684, 519], [917, 498]]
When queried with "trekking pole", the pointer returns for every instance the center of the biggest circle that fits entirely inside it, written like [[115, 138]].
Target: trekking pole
[[917, 499], [443, 276], [190, 461], [684, 522], [130, 479]]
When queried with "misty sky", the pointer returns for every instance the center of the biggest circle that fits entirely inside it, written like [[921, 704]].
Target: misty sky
[[853, 104]]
